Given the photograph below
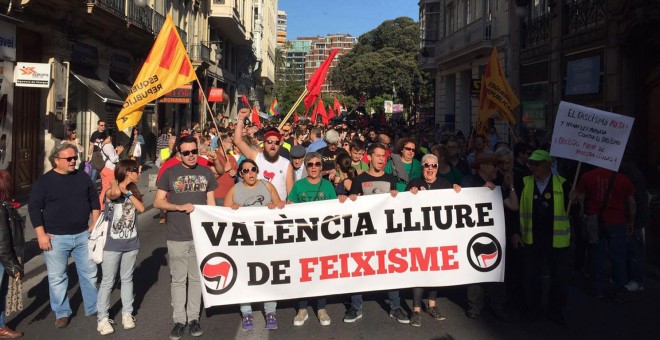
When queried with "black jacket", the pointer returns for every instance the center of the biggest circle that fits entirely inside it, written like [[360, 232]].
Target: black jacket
[[11, 239]]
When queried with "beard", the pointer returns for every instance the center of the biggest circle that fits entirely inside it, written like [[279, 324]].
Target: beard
[[271, 159]]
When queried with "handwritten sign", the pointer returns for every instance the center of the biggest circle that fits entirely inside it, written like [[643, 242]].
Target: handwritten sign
[[591, 136]]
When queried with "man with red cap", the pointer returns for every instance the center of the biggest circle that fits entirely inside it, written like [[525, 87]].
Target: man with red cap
[[273, 168]]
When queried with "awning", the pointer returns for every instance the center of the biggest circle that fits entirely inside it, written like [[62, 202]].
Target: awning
[[94, 83], [124, 87]]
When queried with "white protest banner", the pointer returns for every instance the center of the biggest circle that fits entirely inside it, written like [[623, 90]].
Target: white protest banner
[[591, 136], [378, 242]]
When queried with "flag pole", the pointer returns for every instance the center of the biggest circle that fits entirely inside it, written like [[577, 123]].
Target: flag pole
[[511, 131], [293, 108], [570, 200], [206, 101]]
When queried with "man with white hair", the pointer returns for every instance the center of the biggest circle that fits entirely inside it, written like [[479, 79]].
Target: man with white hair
[[329, 154]]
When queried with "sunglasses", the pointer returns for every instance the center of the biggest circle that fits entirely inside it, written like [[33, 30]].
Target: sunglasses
[[69, 159], [244, 171], [188, 152], [134, 170], [269, 142], [409, 149], [430, 165], [316, 164]]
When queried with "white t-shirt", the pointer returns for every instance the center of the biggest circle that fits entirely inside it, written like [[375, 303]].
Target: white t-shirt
[[275, 173]]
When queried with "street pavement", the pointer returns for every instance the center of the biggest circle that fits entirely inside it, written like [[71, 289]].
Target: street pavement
[[588, 317]]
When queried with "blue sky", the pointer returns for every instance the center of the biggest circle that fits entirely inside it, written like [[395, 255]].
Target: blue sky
[[355, 17]]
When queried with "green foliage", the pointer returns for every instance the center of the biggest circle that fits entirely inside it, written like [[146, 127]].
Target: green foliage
[[383, 59]]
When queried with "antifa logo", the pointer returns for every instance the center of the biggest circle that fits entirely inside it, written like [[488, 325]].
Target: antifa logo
[[219, 272], [484, 252]]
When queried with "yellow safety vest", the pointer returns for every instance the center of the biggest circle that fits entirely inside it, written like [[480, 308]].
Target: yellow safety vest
[[561, 236]]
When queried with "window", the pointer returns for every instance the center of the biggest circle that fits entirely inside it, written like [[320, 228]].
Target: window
[[450, 25], [430, 21]]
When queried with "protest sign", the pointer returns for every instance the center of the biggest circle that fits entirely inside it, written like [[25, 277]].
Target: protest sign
[[590, 135], [377, 242]]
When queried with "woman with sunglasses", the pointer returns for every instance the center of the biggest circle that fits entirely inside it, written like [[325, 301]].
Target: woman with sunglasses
[[402, 164], [310, 189], [428, 181], [71, 138], [252, 192], [122, 244]]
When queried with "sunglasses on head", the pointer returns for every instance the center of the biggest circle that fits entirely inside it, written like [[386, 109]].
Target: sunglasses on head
[[246, 170], [430, 165], [69, 159], [316, 164], [276, 142], [188, 152]]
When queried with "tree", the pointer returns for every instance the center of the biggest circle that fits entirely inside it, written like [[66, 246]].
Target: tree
[[383, 62]]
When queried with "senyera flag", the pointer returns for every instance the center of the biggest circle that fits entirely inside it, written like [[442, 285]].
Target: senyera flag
[[317, 79], [495, 95], [166, 68]]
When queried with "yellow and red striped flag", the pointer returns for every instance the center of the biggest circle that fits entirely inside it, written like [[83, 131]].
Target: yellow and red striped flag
[[166, 68]]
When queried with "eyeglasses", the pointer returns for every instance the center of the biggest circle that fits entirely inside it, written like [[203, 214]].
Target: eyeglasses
[[69, 159], [316, 164], [270, 141], [244, 171], [430, 165], [188, 152], [409, 149], [137, 170]]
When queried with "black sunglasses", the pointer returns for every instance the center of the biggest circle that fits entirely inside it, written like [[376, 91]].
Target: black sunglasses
[[134, 170], [69, 159], [246, 170], [430, 165], [409, 149], [311, 164], [276, 142], [188, 152]]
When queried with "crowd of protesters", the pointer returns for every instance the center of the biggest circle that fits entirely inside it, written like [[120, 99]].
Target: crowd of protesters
[[230, 164]]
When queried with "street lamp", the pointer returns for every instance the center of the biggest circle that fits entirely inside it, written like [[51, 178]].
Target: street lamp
[[415, 88]]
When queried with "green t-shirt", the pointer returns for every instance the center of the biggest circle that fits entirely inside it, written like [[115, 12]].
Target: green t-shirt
[[361, 166], [303, 191], [413, 169]]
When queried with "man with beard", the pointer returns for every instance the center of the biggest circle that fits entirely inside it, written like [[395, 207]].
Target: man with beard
[[371, 182], [273, 168]]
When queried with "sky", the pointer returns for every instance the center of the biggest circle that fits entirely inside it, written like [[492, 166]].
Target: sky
[[354, 17]]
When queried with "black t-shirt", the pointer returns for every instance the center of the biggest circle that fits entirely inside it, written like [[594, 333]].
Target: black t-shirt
[[329, 157], [366, 184], [97, 138], [422, 184]]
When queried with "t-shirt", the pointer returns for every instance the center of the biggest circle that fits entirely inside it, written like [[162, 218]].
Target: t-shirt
[[122, 235], [329, 157], [275, 173], [361, 166], [422, 184], [304, 191], [97, 137], [184, 185], [594, 184], [62, 203], [257, 196], [225, 182], [366, 184]]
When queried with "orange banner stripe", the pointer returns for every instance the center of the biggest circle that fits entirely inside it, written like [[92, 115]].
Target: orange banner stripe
[[185, 68], [168, 52]]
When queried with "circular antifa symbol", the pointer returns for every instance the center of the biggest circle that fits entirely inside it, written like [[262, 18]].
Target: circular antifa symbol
[[219, 272], [484, 252]]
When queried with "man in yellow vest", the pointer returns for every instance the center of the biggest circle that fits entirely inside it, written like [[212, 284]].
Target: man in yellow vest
[[545, 236]]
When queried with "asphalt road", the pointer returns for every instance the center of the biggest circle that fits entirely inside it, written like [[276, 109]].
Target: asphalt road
[[588, 317]]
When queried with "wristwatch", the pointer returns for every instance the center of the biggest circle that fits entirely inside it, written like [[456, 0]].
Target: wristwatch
[[128, 194]]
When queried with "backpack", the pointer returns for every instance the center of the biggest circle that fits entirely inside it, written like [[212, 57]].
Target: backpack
[[98, 163]]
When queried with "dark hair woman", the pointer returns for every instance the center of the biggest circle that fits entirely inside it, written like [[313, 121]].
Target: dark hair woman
[[136, 144], [10, 264], [122, 244]]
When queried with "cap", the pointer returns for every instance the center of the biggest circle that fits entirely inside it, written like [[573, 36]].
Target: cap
[[486, 158], [297, 151], [540, 156], [273, 133]]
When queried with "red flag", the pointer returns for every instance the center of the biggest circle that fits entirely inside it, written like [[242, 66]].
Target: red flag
[[337, 106], [317, 79], [295, 117], [321, 110], [245, 100], [255, 117], [313, 119], [331, 113]]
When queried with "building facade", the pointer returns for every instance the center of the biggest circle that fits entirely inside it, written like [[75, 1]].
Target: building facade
[[281, 28], [295, 59], [457, 38], [320, 50]]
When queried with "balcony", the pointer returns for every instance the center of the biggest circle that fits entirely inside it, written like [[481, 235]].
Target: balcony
[[536, 31], [226, 18], [140, 17], [158, 22], [584, 15], [200, 53], [116, 7], [470, 41]]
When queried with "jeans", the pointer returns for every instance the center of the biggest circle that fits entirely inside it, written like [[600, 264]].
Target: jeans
[[4, 282], [636, 255], [183, 267], [269, 307], [418, 293], [58, 280], [615, 244], [320, 303], [111, 262], [94, 175], [392, 295]]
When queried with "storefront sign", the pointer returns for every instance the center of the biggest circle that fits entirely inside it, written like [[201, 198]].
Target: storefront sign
[[591, 136], [180, 95], [583, 76], [7, 41], [378, 242], [215, 95], [32, 75]]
